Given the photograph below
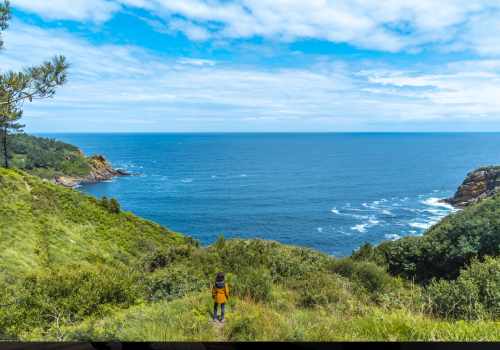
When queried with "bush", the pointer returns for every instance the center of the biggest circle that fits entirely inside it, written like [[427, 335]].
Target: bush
[[237, 255], [282, 261], [448, 246], [368, 252], [111, 205], [114, 206], [474, 295], [296, 262], [174, 282], [321, 288], [344, 267], [373, 278], [254, 283], [486, 275], [67, 295], [243, 329], [456, 300], [164, 257]]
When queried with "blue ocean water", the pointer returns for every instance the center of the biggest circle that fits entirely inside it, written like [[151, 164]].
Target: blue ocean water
[[331, 191]]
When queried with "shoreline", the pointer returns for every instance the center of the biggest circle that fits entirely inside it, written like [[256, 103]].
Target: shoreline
[[100, 170]]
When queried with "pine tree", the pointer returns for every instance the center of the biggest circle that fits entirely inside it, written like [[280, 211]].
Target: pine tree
[[16, 88]]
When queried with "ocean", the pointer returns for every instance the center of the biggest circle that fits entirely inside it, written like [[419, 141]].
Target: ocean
[[328, 191]]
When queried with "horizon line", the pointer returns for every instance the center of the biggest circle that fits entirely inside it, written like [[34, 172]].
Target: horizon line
[[261, 132]]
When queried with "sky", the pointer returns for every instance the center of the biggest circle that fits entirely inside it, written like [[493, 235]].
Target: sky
[[262, 65]]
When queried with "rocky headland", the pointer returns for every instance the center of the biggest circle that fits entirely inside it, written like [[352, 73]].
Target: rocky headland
[[100, 170], [480, 183]]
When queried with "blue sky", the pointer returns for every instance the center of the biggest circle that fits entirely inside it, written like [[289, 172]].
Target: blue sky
[[262, 65]]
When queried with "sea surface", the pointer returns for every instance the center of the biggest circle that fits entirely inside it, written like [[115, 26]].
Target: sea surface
[[329, 191]]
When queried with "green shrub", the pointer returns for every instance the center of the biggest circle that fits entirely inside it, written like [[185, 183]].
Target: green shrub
[[373, 278], [345, 267], [282, 261], [240, 254], [368, 252], [111, 205], [448, 246], [174, 282], [474, 294], [114, 206], [455, 300], [67, 295], [165, 256], [243, 329], [321, 288], [486, 275], [254, 283]]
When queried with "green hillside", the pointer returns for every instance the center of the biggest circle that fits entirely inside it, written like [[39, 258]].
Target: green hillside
[[77, 268], [45, 157], [45, 226]]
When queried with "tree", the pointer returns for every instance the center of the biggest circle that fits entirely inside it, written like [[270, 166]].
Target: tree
[[8, 121], [4, 17], [16, 88]]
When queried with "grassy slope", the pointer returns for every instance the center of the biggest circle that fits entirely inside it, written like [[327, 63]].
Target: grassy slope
[[43, 225], [65, 259], [280, 320]]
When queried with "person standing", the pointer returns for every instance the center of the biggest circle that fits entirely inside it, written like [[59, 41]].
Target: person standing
[[220, 294]]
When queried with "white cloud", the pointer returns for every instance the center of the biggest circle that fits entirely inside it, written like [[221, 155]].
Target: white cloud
[[197, 61], [111, 87], [390, 25], [79, 10]]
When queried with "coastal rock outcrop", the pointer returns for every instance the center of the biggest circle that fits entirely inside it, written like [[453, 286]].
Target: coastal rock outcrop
[[100, 170], [480, 183]]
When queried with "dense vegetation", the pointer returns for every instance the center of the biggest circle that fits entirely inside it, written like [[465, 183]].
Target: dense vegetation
[[447, 247], [45, 157], [74, 267]]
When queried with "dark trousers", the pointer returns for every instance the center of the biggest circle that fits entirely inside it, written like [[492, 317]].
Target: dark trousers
[[221, 311]]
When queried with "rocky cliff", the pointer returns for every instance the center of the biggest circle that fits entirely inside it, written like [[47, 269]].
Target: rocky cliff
[[480, 183], [100, 170]]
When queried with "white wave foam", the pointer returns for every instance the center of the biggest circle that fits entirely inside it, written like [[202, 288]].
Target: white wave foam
[[436, 202], [387, 212], [359, 217], [320, 229], [373, 222], [360, 228], [392, 236], [186, 181], [421, 225], [335, 211], [436, 211]]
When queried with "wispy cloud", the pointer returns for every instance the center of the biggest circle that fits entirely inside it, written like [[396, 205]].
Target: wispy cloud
[[110, 87], [78, 10], [393, 25]]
